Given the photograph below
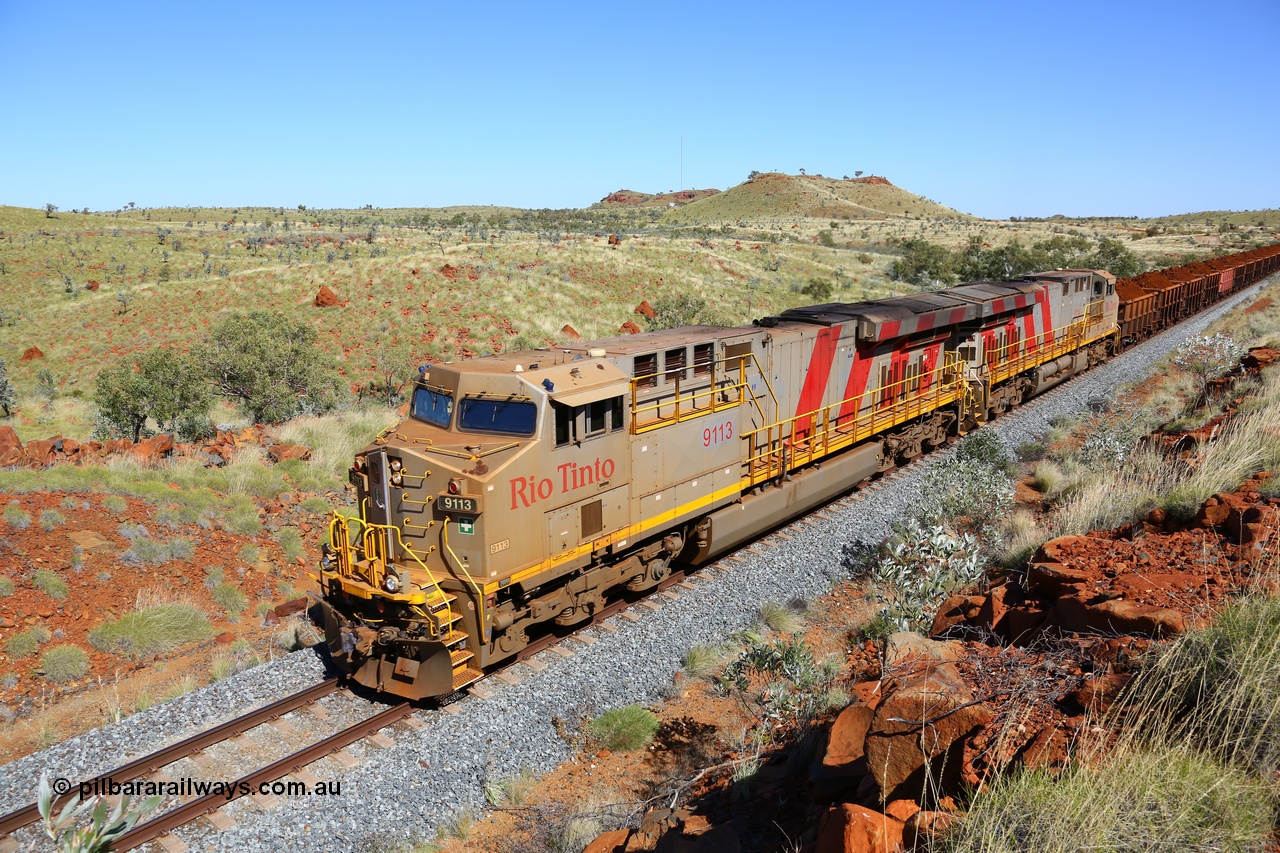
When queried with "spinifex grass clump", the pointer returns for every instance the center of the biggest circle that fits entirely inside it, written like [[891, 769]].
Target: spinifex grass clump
[[1136, 801], [150, 630], [624, 729], [1219, 688]]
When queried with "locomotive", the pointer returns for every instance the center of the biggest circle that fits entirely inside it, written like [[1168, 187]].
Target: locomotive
[[525, 491]]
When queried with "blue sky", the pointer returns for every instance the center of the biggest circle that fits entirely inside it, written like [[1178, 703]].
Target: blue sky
[[998, 109]]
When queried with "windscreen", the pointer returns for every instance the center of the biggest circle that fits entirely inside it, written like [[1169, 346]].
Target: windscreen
[[434, 407], [509, 417]]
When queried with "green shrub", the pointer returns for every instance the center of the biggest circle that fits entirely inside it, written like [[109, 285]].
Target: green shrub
[[625, 729], [248, 554], [152, 630], [50, 519], [6, 587], [924, 567], [291, 542], [64, 663], [180, 549], [230, 599], [22, 645], [244, 522], [16, 518], [146, 551], [114, 504], [315, 505], [50, 584]]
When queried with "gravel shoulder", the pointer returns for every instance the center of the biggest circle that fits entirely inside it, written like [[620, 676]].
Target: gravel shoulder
[[405, 791]]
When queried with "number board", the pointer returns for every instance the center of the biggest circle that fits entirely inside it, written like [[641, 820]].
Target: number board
[[457, 503]]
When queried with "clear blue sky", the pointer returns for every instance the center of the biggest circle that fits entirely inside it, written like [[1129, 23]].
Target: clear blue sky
[[998, 109]]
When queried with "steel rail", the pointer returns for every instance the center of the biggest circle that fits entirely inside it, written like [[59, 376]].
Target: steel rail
[[29, 813], [249, 783]]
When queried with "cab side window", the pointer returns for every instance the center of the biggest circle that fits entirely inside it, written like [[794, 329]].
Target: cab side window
[[589, 421]]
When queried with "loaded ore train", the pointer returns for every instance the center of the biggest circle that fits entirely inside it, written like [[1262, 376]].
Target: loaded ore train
[[526, 491]]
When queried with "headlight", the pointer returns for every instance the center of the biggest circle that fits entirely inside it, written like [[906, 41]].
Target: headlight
[[392, 583], [397, 479], [395, 465]]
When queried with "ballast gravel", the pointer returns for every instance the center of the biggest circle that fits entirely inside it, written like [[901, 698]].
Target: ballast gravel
[[404, 792]]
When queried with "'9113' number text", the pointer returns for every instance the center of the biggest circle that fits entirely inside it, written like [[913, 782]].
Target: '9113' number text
[[718, 433]]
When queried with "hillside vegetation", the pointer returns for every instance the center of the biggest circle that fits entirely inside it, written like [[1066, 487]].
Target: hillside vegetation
[[88, 291]]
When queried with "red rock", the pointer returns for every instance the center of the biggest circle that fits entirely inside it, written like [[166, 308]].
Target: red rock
[[571, 333], [922, 828], [289, 608], [152, 450], [281, 452], [325, 298], [610, 842], [11, 452], [924, 688], [40, 452], [1097, 694], [1056, 579], [855, 829], [615, 240], [695, 825], [846, 741], [118, 445], [70, 446], [902, 809], [92, 285], [1047, 750], [996, 607], [1053, 550], [956, 610], [225, 637], [629, 328], [31, 354], [270, 619], [1022, 624], [644, 309], [1212, 513]]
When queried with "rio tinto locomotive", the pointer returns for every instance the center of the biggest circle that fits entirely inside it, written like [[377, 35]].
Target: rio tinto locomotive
[[527, 490]]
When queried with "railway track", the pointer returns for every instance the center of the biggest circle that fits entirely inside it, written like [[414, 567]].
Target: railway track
[[153, 765]]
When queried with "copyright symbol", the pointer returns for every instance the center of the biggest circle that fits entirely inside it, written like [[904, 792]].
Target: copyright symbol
[[61, 785]]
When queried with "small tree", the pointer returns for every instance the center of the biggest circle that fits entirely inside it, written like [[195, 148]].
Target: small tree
[[270, 365], [676, 311], [167, 386], [1208, 358], [8, 397], [49, 210]]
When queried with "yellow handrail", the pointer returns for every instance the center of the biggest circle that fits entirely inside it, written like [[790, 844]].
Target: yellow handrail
[[791, 443], [377, 560], [444, 538], [713, 389]]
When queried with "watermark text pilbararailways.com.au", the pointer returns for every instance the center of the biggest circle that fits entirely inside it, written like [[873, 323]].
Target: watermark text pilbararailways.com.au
[[188, 787]]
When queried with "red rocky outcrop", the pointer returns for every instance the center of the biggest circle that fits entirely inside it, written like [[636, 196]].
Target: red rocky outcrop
[[325, 298]]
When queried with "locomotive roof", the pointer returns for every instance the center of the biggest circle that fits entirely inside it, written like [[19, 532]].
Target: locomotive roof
[[896, 316]]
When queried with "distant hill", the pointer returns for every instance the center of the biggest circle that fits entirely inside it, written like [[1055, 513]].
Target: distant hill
[[1258, 218], [632, 198], [770, 195]]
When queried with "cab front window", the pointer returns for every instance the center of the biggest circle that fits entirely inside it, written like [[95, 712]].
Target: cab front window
[[434, 407], [508, 417]]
